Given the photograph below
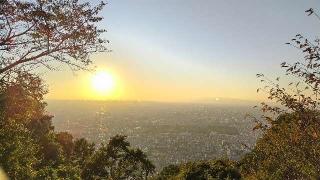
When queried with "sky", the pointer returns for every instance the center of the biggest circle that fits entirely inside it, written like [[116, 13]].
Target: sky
[[186, 50]]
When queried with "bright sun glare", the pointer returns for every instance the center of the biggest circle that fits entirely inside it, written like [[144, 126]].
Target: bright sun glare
[[103, 82]]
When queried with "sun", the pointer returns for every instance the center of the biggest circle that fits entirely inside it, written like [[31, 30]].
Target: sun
[[103, 82]]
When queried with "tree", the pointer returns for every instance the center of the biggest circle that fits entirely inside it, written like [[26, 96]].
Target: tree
[[289, 146], [22, 99], [199, 170], [82, 152], [66, 141], [18, 152], [117, 160], [32, 34], [38, 33], [63, 171], [285, 152], [169, 172], [28, 142], [20, 104], [302, 93]]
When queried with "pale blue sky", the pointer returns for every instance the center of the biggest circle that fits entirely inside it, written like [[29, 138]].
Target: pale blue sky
[[205, 48]]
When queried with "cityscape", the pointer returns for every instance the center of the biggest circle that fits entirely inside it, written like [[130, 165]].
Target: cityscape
[[169, 133]]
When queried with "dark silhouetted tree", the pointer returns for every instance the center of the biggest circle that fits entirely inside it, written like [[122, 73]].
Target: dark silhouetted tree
[[200, 170], [169, 172], [117, 160], [66, 141], [37, 33], [82, 152]]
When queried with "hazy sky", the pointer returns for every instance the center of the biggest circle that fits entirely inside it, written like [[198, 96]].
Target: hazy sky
[[176, 50]]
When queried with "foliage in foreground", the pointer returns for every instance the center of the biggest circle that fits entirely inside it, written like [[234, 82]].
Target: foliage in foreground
[[286, 151], [31, 149], [214, 169]]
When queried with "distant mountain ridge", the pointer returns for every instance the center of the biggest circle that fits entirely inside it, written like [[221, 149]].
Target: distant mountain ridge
[[221, 100]]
